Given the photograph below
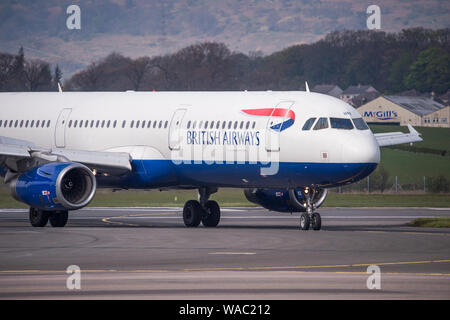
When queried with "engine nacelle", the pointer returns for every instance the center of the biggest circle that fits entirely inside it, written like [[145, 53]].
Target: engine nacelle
[[55, 186], [283, 200]]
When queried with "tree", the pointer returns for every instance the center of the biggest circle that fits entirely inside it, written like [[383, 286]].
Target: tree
[[430, 71], [37, 75], [57, 76], [136, 71]]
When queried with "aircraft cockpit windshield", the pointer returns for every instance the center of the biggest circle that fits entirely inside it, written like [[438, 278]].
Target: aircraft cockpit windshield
[[335, 123], [341, 123]]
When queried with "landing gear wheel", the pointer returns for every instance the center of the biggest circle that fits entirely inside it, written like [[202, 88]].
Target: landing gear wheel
[[38, 218], [304, 221], [192, 214], [58, 219], [212, 217], [316, 221]]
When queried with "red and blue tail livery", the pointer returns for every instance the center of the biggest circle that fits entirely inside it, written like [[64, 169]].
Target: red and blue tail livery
[[280, 113]]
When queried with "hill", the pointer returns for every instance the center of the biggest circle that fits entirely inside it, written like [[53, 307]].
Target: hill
[[153, 27]]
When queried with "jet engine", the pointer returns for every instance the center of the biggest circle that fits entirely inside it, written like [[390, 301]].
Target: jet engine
[[55, 186], [282, 200]]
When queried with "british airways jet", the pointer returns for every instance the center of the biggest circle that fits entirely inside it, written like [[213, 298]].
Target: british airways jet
[[284, 149]]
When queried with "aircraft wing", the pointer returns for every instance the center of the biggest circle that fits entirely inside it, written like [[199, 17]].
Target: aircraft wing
[[20, 155], [393, 138]]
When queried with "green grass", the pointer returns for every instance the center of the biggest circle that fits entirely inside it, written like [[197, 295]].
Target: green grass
[[412, 167], [442, 222], [236, 198]]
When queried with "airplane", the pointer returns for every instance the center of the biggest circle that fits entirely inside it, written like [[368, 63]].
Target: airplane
[[284, 149]]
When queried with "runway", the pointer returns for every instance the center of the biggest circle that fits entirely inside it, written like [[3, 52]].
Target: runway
[[147, 253]]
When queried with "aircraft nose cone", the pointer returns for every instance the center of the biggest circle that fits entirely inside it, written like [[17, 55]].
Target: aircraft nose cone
[[362, 149]]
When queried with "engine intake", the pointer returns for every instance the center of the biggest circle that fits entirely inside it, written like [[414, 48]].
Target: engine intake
[[55, 186]]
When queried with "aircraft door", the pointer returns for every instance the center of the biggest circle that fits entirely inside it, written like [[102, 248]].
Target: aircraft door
[[279, 120], [60, 129], [175, 133]]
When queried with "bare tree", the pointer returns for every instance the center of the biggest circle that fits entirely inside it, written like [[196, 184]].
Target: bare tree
[[37, 75], [137, 70], [88, 79]]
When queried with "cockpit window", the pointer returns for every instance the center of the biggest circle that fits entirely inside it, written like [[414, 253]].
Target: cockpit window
[[360, 124], [308, 124], [341, 123], [322, 123]]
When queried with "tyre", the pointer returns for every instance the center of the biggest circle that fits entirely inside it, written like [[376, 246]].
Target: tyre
[[192, 214], [212, 218], [58, 219], [38, 218], [316, 221], [304, 221]]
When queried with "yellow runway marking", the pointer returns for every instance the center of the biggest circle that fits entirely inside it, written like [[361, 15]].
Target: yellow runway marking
[[107, 220], [261, 269]]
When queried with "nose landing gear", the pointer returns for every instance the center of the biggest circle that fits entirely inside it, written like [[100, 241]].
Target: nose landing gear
[[312, 198]]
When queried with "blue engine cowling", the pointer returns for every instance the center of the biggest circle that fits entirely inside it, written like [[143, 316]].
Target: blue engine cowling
[[55, 186], [283, 200]]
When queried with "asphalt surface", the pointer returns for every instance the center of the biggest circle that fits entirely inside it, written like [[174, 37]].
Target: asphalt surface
[[147, 253]]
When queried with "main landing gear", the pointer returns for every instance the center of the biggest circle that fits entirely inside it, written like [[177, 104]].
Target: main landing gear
[[40, 218], [204, 210]]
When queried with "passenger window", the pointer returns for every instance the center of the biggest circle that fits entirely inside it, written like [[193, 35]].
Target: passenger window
[[217, 125], [124, 123], [166, 124], [322, 123], [160, 124], [242, 125], [247, 125], [31, 125], [132, 124], [206, 124], [341, 123], [114, 123], [103, 123], [81, 123], [92, 123], [75, 123], [212, 125], [154, 124], [194, 124], [360, 124], [97, 124], [108, 123], [235, 124], [43, 123], [21, 123], [86, 123], [149, 123], [70, 123], [254, 125], [15, 124], [308, 124], [26, 123], [138, 123], [189, 124]]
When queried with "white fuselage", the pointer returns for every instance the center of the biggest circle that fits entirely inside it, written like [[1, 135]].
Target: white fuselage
[[159, 126]]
